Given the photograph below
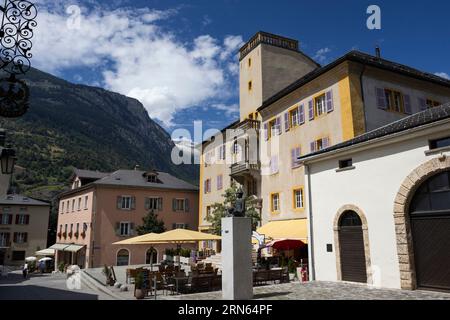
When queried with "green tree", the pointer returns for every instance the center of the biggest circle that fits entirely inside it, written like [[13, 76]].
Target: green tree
[[151, 224], [220, 210]]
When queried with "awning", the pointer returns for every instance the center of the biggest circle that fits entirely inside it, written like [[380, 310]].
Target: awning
[[45, 252], [59, 246], [74, 248], [286, 229], [136, 240], [172, 236]]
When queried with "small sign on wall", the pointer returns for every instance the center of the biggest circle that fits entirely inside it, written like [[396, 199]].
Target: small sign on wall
[[329, 247]]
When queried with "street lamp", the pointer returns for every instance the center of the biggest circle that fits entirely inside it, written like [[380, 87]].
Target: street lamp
[[7, 160]]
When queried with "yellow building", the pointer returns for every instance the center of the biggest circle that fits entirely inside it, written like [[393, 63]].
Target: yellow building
[[291, 106]]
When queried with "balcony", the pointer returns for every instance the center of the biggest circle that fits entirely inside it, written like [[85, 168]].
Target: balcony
[[243, 169], [249, 124]]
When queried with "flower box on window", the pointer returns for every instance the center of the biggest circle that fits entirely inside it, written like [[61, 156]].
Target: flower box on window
[[64, 234], [59, 234], [83, 234], [76, 234]]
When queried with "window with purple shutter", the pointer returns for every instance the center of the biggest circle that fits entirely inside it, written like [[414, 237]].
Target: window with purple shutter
[[423, 104], [295, 154], [266, 133], [407, 104], [301, 114], [274, 164], [325, 142], [278, 125], [312, 146], [311, 110], [381, 99], [286, 121], [329, 97]]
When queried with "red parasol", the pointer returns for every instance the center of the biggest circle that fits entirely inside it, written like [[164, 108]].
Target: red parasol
[[286, 244]]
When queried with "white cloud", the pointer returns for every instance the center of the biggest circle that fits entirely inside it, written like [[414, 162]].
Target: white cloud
[[229, 110], [321, 55], [137, 56], [443, 75]]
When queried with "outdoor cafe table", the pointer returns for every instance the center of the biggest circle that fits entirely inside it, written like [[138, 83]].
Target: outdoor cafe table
[[178, 280]]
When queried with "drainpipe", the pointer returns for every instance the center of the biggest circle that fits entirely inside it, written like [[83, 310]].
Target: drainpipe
[[311, 268]]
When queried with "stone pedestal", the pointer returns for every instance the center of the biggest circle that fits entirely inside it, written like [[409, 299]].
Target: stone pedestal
[[237, 274]]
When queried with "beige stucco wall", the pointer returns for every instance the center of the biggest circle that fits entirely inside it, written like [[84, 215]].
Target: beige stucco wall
[[37, 231]]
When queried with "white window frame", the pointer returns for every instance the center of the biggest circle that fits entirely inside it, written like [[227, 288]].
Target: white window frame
[[86, 199], [20, 239], [22, 219], [320, 105], [125, 226], [294, 117], [180, 225], [178, 201], [155, 200], [124, 201], [5, 218], [79, 204], [3, 237], [275, 198], [62, 206], [298, 193]]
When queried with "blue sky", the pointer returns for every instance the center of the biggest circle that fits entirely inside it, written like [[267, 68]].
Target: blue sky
[[179, 58]]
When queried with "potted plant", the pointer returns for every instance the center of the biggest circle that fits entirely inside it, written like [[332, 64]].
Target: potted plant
[[83, 234], [139, 291]]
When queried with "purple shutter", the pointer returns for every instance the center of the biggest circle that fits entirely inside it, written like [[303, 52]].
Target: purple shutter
[[293, 158], [297, 153], [313, 146], [422, 104], [407, 104], [311, 110], [286, 121], [329, 97], [266, 133], [325, 142], [205, 186], [301, 114], [381, 99]]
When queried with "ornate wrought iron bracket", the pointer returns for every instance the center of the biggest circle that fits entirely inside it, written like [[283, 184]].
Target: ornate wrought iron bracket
[[17, 24]]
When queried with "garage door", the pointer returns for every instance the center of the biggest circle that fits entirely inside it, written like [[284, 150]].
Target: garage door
[[351, 248], [430, 227]]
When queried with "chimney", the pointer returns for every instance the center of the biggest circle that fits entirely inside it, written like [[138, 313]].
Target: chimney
[[378, 52], [136, 167]]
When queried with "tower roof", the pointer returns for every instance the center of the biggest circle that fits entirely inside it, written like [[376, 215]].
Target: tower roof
[[270, 39]]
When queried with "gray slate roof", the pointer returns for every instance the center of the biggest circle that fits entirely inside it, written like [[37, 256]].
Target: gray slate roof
[[89, 174], [416, 120], [135, 178], [18, 199]]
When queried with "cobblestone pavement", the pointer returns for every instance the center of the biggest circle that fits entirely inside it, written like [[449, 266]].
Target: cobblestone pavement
[[322, 291]]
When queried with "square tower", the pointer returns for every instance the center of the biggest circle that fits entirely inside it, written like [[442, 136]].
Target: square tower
[[268, 64]]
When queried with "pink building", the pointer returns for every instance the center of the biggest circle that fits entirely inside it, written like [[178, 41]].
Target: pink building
[[102, 208]]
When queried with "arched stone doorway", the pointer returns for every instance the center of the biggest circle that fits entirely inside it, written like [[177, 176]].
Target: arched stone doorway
[[123, 257], [350, 234], [403, 206]]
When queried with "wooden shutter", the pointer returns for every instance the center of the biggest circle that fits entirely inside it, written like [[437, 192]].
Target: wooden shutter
[[117, 228], [15, 237], [186, 205], [301, 114], [174, 204], [27, 219], [407, 104], [329, 98], [25, 237], [313, 146], [423, 104], [266, 133], [160, 203], [119, 202], [133, 202], [286, 121], [311, 110], [147, 203], [17, 219], [381, 99]]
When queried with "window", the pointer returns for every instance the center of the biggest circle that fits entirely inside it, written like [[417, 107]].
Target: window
[[152, 178], [65, 228], [124, 229], [294, 118], [440, 143], [320, 144], [5, 218], [250, 86], [62, 206], [152, 203], [73, 205], [4, 239], [249, 62], [180, 226], [222, 152], [275, 202], [347, 163], [86, 198], [298, 198], [275, 127], [125, 202], [219, 182], [67, 210], [123, 257], [77, 230], [20, 237], [18, 255], [320, 105], [274, 164], [71, 229], [431, 103], [207, 186], [208, 211], [179, 204], [295, 154], [394, 100], [79, 204], [22, 219]]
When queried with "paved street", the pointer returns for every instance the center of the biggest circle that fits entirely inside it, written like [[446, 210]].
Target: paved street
[[44, 287]]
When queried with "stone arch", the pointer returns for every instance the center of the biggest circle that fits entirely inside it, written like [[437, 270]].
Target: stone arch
[[403, 233], [122, 250], [365, 227]]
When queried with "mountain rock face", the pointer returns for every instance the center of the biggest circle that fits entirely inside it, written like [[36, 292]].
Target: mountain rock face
[[70, 125]]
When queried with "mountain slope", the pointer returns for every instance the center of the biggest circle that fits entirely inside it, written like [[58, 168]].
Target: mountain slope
[[86, 127]]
